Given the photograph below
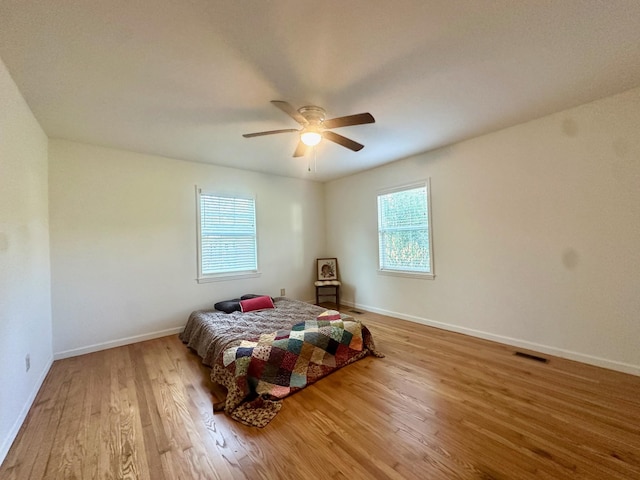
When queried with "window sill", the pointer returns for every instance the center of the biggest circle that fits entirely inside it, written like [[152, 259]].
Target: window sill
[[397, 273], [223, 277]]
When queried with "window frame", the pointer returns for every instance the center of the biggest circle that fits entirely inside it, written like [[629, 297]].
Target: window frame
[[426, 184], [230, 275]]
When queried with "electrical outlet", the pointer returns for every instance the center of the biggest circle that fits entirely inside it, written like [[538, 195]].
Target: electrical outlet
[[27, 362], [282, 292]]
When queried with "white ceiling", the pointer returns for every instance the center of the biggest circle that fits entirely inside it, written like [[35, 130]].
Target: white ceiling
[[185, 79]]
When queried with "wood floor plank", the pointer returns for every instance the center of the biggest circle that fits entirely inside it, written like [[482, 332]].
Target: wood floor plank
[[440, 405]]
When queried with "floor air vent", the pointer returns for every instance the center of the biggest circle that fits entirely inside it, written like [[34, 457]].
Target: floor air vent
[[531, 357], [355, 311]]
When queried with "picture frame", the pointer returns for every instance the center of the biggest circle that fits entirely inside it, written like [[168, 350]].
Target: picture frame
[[327, 268]]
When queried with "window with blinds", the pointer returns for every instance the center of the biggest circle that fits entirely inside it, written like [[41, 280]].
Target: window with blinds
[[227, 235], [404, 231]]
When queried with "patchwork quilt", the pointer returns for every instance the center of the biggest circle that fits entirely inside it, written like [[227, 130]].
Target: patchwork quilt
[[259, 372]]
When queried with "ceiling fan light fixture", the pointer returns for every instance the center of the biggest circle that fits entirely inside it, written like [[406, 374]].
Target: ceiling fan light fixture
[[310, 138]]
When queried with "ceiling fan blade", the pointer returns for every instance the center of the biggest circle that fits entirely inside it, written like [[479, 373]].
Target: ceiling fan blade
[[270, 132], [301, 150], [358, 119], [289, 110], [344, 141]]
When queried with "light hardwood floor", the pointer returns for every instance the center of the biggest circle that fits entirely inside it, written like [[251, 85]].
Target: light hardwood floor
[[439, 406]]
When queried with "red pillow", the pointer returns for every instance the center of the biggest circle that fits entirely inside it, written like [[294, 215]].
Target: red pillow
[[258, 303]]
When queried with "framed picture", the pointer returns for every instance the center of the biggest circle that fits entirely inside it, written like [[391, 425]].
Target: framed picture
[[327, 268]]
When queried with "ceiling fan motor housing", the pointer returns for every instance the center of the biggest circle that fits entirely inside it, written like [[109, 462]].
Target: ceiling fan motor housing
[[314, 115]]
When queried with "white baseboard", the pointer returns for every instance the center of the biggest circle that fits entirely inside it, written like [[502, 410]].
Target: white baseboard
[[116, 343], [13, 433], [558, 352]]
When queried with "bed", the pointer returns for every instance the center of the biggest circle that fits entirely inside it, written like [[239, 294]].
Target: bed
[[262, 356]]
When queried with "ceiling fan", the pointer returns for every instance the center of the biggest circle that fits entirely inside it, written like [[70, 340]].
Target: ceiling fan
[[315, 127]]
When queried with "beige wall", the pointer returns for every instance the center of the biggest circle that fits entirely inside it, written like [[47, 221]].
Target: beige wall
[[25, 302], [123, 242], [536, 235]]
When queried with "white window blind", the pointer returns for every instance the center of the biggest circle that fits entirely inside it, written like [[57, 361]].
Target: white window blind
[[227, 234], [403, 230]]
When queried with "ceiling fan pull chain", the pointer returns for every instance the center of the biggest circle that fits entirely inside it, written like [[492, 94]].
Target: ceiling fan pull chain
[[315, 161]]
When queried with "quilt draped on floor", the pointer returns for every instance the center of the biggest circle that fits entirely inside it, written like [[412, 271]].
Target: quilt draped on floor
[[259, 372]]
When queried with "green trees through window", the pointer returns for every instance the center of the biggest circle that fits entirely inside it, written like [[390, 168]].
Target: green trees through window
[[404, 230]]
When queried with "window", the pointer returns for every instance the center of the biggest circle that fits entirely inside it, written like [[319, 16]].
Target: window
[[227, 242], [404, 231]]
